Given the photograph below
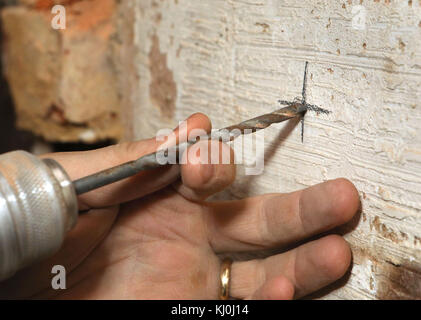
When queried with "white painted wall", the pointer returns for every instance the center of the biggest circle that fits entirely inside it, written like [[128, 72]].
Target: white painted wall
[[233, 59]]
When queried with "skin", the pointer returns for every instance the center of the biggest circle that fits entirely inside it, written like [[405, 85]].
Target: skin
[[153, 236]]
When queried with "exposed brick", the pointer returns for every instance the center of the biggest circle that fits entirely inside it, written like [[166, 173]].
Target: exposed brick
[[63, 81]]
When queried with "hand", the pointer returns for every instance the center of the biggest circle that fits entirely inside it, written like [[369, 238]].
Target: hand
[[153, 236]]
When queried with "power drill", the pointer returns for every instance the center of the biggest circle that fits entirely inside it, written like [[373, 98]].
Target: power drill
[[38, 206]]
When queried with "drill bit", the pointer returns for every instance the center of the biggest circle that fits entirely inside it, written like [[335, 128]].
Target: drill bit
[[150, 161]]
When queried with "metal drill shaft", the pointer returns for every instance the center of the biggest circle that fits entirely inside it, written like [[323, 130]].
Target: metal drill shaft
[[149, 161]]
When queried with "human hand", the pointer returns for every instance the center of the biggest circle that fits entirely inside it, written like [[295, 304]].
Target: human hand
[[153, 236]]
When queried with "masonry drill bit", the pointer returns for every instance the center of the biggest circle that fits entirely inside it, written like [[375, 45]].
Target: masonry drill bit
[[150, 161]]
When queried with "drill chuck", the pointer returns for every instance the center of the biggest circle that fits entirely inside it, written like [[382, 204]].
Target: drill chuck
[[38, 206]]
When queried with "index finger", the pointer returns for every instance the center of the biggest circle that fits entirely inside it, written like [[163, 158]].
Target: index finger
[[81, 164]]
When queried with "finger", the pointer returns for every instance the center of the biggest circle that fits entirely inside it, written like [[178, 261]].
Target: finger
[[281, 219], [92, 227], [209, 168], [278, 288], [80, 164], [309, 267]]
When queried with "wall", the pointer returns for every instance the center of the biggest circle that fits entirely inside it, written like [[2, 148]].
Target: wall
[[234, 59]]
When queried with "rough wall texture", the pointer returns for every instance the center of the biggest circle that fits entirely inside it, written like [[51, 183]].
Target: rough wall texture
[[234, 59], [63, 81]]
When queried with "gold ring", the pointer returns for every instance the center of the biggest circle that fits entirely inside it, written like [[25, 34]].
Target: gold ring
[[225, 276]]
